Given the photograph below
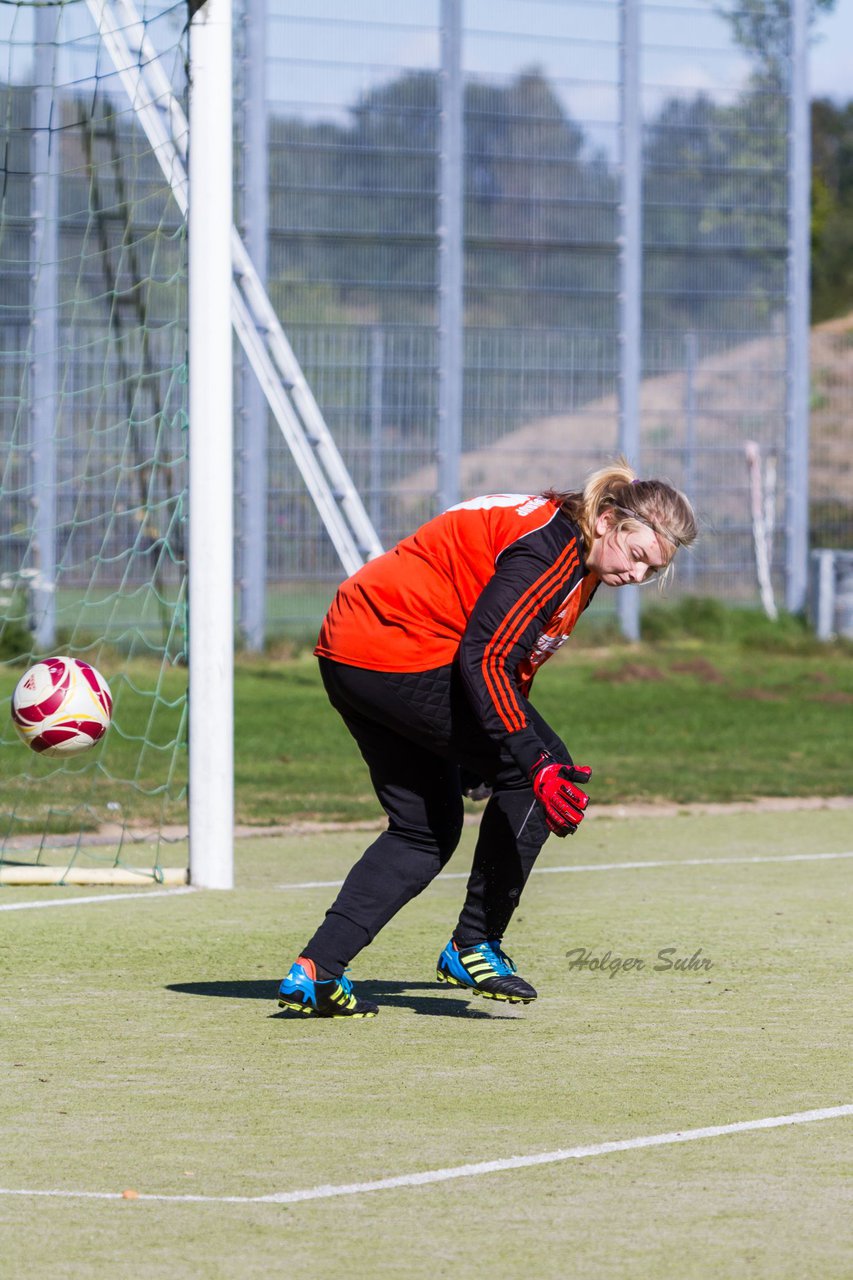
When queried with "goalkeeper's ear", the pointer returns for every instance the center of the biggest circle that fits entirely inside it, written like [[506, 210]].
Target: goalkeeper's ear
[[605, 521]]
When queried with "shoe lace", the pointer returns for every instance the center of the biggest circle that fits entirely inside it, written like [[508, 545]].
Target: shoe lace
[[497, 957]]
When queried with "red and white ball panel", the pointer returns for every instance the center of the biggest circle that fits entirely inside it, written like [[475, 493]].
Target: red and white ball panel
[[61, 706]]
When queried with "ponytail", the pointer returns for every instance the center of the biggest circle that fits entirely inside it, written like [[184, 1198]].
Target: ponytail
[[652, 503]]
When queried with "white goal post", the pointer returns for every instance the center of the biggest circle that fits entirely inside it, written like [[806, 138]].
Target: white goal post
[[211, 451]]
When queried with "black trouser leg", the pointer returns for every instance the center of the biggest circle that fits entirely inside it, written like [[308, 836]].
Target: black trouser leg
[[420, 793], [512, 832]]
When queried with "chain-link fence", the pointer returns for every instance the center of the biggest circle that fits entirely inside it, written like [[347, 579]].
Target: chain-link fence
[[344, 196], [354, 173]]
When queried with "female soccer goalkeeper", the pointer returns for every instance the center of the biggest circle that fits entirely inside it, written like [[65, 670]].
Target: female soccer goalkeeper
[[428, 653]]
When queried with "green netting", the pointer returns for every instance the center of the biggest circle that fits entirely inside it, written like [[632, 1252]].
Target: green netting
[[92, 437]]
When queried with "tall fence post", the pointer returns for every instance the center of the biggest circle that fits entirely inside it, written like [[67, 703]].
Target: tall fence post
[[691, 354], [376, 409], [450, 248], [44, 245], [253, 404], [630, 268], [799, 231], [211, 448]]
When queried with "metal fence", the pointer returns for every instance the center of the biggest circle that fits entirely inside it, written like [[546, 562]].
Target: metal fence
[[441, 208], [355, 167]]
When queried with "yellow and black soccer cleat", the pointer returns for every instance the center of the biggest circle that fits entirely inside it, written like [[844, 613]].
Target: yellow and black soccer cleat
[[484, 969], [302, 992]]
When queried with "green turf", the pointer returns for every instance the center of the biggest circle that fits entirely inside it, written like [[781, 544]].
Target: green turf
[[684, 720], [147, 617], [142, 1049]]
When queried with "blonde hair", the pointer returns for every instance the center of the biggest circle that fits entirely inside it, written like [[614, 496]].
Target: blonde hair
[[634, 502]]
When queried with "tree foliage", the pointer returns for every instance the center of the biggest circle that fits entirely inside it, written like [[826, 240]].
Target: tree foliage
[[832, 208], [355, 209], [762, 29]]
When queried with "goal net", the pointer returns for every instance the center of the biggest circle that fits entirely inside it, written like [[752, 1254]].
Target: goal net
[[93, 416]]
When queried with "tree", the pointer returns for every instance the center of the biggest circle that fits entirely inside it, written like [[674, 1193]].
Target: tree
[[832, 208], [761, 28]]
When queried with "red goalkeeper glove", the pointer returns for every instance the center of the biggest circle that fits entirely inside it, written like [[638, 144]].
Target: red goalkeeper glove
[[553, 786]]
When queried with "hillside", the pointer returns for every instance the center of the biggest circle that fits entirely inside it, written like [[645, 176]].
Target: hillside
[[738, 395]]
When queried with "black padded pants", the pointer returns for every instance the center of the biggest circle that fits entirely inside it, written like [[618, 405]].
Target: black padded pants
[[416, 732]]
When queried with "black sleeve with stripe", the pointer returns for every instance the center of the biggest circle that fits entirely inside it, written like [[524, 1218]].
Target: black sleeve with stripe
[[533, 576]]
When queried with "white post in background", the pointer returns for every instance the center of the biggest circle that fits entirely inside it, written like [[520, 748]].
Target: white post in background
[[450, 250], [691, 361], [376, 400], [799, 233], [211, 503], [254, 409], [44, 212], [630, 269]]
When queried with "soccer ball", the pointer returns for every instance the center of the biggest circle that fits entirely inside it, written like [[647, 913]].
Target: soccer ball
[[61, 706]]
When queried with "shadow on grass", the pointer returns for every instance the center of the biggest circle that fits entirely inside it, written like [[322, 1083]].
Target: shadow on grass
[[254, 989], [391, 994]]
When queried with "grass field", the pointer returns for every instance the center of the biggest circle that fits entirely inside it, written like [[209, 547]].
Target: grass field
[[687, 718], [142, 1051]]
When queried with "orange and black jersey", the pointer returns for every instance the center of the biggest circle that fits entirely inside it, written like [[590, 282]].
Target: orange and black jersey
[[496, 584]]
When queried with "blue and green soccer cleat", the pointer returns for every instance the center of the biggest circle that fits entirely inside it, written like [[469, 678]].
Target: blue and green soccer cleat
[[484, 969], [302, 992]]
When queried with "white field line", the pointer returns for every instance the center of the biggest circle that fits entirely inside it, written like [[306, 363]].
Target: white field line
[[615, 866], [459, 1171], [450, 875], [107, 897]]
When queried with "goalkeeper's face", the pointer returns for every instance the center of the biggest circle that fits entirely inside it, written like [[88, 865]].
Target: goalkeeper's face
[[620, 555]]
